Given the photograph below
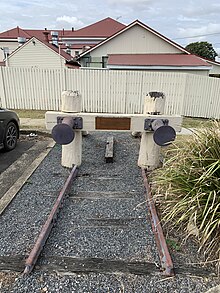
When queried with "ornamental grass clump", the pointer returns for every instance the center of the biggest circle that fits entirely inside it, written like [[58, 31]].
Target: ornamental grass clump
[[189, 188]]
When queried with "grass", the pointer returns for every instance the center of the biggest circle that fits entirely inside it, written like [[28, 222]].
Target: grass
[[191, 122], [34, 114], [173, 244], [188, 188]]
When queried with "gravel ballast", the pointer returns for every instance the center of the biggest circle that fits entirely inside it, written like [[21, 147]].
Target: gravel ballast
[[104, 217]]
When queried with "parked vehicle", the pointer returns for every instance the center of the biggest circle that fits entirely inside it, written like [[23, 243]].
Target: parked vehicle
[[9, 129]]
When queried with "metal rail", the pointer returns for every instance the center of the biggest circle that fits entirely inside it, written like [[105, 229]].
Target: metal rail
[[45, 231], [165, 258]]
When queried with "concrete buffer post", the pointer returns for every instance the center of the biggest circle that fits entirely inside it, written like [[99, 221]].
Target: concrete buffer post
[[149, 154], [72, 152]]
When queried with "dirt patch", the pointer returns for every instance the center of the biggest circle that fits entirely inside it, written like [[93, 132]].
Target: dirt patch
[[6, 280]]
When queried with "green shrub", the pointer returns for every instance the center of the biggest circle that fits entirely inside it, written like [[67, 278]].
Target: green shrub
[[189, 188]]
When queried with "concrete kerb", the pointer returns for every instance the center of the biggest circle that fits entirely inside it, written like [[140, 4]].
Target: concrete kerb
[[14, 189], [34, 126], [32, 123]]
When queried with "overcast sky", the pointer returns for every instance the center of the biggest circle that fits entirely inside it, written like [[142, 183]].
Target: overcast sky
[[182, 21]]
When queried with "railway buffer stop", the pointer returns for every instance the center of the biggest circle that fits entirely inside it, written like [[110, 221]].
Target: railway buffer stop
[[67, 128], [156, 128]]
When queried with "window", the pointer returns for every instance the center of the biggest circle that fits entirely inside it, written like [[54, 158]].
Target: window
[[104, 61]]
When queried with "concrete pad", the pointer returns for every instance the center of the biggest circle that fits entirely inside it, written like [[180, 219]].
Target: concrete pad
[[32, 123], [185, 131], [214, 290]]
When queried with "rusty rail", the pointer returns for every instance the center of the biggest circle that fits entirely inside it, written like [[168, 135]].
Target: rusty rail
[[165, 258], [45, 231]]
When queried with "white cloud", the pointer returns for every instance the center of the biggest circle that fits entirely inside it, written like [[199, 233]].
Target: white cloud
[[202, 8], [211, 28], [69, 20], [130, 3], [184, 18], [174, 19]]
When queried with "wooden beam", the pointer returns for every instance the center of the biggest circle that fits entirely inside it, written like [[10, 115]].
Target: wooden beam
[[136, 120]]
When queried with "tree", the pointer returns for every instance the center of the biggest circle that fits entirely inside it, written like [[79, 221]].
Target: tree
[[203, 49]]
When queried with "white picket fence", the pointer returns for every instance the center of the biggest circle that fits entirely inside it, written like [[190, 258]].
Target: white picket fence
[[109, 91]]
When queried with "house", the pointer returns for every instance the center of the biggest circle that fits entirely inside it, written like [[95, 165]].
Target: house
[[74, 41], [215, 70], [36, 53], [139, 47], [112, 45]]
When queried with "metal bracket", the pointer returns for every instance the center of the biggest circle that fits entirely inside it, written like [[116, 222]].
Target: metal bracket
[[77, 122], [148, 123]]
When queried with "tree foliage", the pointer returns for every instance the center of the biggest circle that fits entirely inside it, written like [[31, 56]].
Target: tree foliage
[[203, 49]]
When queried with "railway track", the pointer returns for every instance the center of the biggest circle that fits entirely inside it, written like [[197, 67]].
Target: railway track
[[103, 227]]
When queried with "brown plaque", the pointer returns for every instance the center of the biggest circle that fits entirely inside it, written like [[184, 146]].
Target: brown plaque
[[109, 123]]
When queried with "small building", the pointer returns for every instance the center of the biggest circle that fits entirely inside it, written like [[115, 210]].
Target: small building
[[139, 47], [36, 53]]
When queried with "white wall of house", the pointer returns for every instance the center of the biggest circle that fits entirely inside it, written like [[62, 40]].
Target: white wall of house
[[36, 55], [135, 40], [11, 45], [215, 68], [197, 72], [1, 55]]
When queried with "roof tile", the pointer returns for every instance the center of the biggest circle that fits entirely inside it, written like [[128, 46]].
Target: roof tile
[[155, 60]]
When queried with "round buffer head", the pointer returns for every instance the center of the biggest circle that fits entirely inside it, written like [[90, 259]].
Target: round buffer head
[[164, 135], [63, 134]]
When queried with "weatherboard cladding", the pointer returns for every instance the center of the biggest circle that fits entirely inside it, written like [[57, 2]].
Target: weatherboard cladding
[[165, 41], [37, 55], [135, 40]]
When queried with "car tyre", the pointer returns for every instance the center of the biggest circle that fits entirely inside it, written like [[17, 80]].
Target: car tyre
[[11, 136]]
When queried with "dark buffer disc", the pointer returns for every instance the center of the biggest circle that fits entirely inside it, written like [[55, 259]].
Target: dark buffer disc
[[63, 134], [164, 135]]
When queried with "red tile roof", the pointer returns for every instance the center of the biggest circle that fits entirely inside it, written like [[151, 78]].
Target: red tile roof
[[155, 60], [14, 33], [103, 28], [57, 50]]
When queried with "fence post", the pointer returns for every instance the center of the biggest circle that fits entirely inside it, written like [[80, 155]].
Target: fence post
[[72, 152], [149, 154], [2, 90]]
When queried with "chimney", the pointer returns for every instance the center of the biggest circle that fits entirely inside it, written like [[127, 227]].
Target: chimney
[[21, 41], [46, 36], [55, 37], [72, 29]]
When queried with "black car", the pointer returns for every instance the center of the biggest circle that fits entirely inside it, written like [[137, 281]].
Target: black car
[[9, 129]]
